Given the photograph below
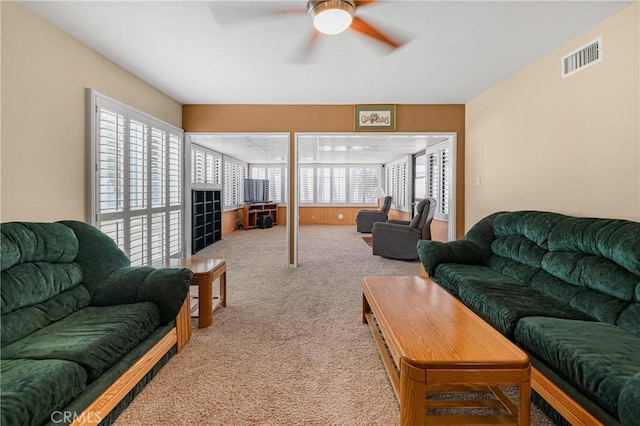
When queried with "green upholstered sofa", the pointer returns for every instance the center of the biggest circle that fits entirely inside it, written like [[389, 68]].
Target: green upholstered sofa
[[567, 291], [82, 330]]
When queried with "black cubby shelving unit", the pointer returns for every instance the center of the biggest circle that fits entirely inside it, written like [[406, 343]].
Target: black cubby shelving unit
[[206, 220]]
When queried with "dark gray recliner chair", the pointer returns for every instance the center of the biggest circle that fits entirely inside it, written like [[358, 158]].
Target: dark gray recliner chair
[[366, 218], [397, 239]]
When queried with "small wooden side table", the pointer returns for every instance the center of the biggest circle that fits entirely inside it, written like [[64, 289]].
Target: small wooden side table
[[205, 272]]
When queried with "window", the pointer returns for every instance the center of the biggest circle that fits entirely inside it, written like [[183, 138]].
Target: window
[[277, 176], [439, 177], [136, 175], [396, 184], [420, 177], [206, 166], [338, 184], [210, 169], [307, 184], [233, 182]]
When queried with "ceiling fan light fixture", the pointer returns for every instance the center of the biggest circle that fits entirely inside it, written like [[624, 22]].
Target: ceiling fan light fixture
[[331, 16]]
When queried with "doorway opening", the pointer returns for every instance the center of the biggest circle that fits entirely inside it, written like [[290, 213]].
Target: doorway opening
[[229, 165], [331, 170]]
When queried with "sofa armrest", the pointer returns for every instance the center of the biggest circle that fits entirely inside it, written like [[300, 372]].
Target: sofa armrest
[[391, 226], [98, 254], [166, 287], [434, 253], [399, 222]]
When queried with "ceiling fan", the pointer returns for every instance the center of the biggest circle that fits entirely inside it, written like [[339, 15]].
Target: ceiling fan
[[329, 17]]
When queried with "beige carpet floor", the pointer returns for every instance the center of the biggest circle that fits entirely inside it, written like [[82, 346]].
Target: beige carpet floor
[[290, 347]]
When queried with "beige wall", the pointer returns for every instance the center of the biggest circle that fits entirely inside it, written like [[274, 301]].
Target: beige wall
[[44, 76], [571, 145]]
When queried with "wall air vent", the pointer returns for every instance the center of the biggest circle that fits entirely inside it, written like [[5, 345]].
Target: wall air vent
[[582, 58]]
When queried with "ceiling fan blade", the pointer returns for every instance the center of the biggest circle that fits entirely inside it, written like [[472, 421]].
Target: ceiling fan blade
[[228, 12], [364, 3], [303, 54], [363, 27]]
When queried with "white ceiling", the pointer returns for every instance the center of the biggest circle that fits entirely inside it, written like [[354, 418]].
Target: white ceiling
[[456, 50], [358, 148]]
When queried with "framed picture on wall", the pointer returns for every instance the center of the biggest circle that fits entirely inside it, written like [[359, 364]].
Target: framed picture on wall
[[375, 117]]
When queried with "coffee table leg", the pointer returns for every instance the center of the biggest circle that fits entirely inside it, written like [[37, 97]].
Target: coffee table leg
[[223, 288], [525, 399], [365, 308], [205, 305], [412, 395]]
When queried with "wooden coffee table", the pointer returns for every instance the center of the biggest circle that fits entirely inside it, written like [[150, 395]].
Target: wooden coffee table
[[430, 343], [205, 272]]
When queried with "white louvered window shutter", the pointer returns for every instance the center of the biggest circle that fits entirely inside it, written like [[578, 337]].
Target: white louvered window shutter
[[356, 185], [306, 184], [439, 178], [274, 175], [258, 172], [209, 168], [217, 162], [339, 185], [198, 166], [175, 170], [323, 185], [138, 174], [445, 176], [158, 167], [227, 184], [138, 160], [371, 183]]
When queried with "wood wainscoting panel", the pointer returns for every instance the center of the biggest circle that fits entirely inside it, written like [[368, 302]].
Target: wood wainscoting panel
[[229, 221], [282, 215], [319, 215], [440, 230]]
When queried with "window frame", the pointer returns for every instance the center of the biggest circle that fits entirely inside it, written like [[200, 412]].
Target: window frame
[[440, 186], [398, 182], [347, 167], [233, 182], [172, 242], [262, 171]]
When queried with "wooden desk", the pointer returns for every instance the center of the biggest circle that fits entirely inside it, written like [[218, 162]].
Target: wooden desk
[[252, 212], [431, 343], [205, 272]]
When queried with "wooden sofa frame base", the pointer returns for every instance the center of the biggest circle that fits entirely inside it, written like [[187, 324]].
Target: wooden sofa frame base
[[566, 406], [111, 397]]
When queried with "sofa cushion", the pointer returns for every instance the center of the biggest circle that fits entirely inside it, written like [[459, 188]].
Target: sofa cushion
[[32, 389], [535, 226], [597, 358], [593, 303], [452, 276], [24, 321], [594, 272], [502, 304], [26, 284], [515, 270], [614, 239], [36, 242], [94, 337]]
